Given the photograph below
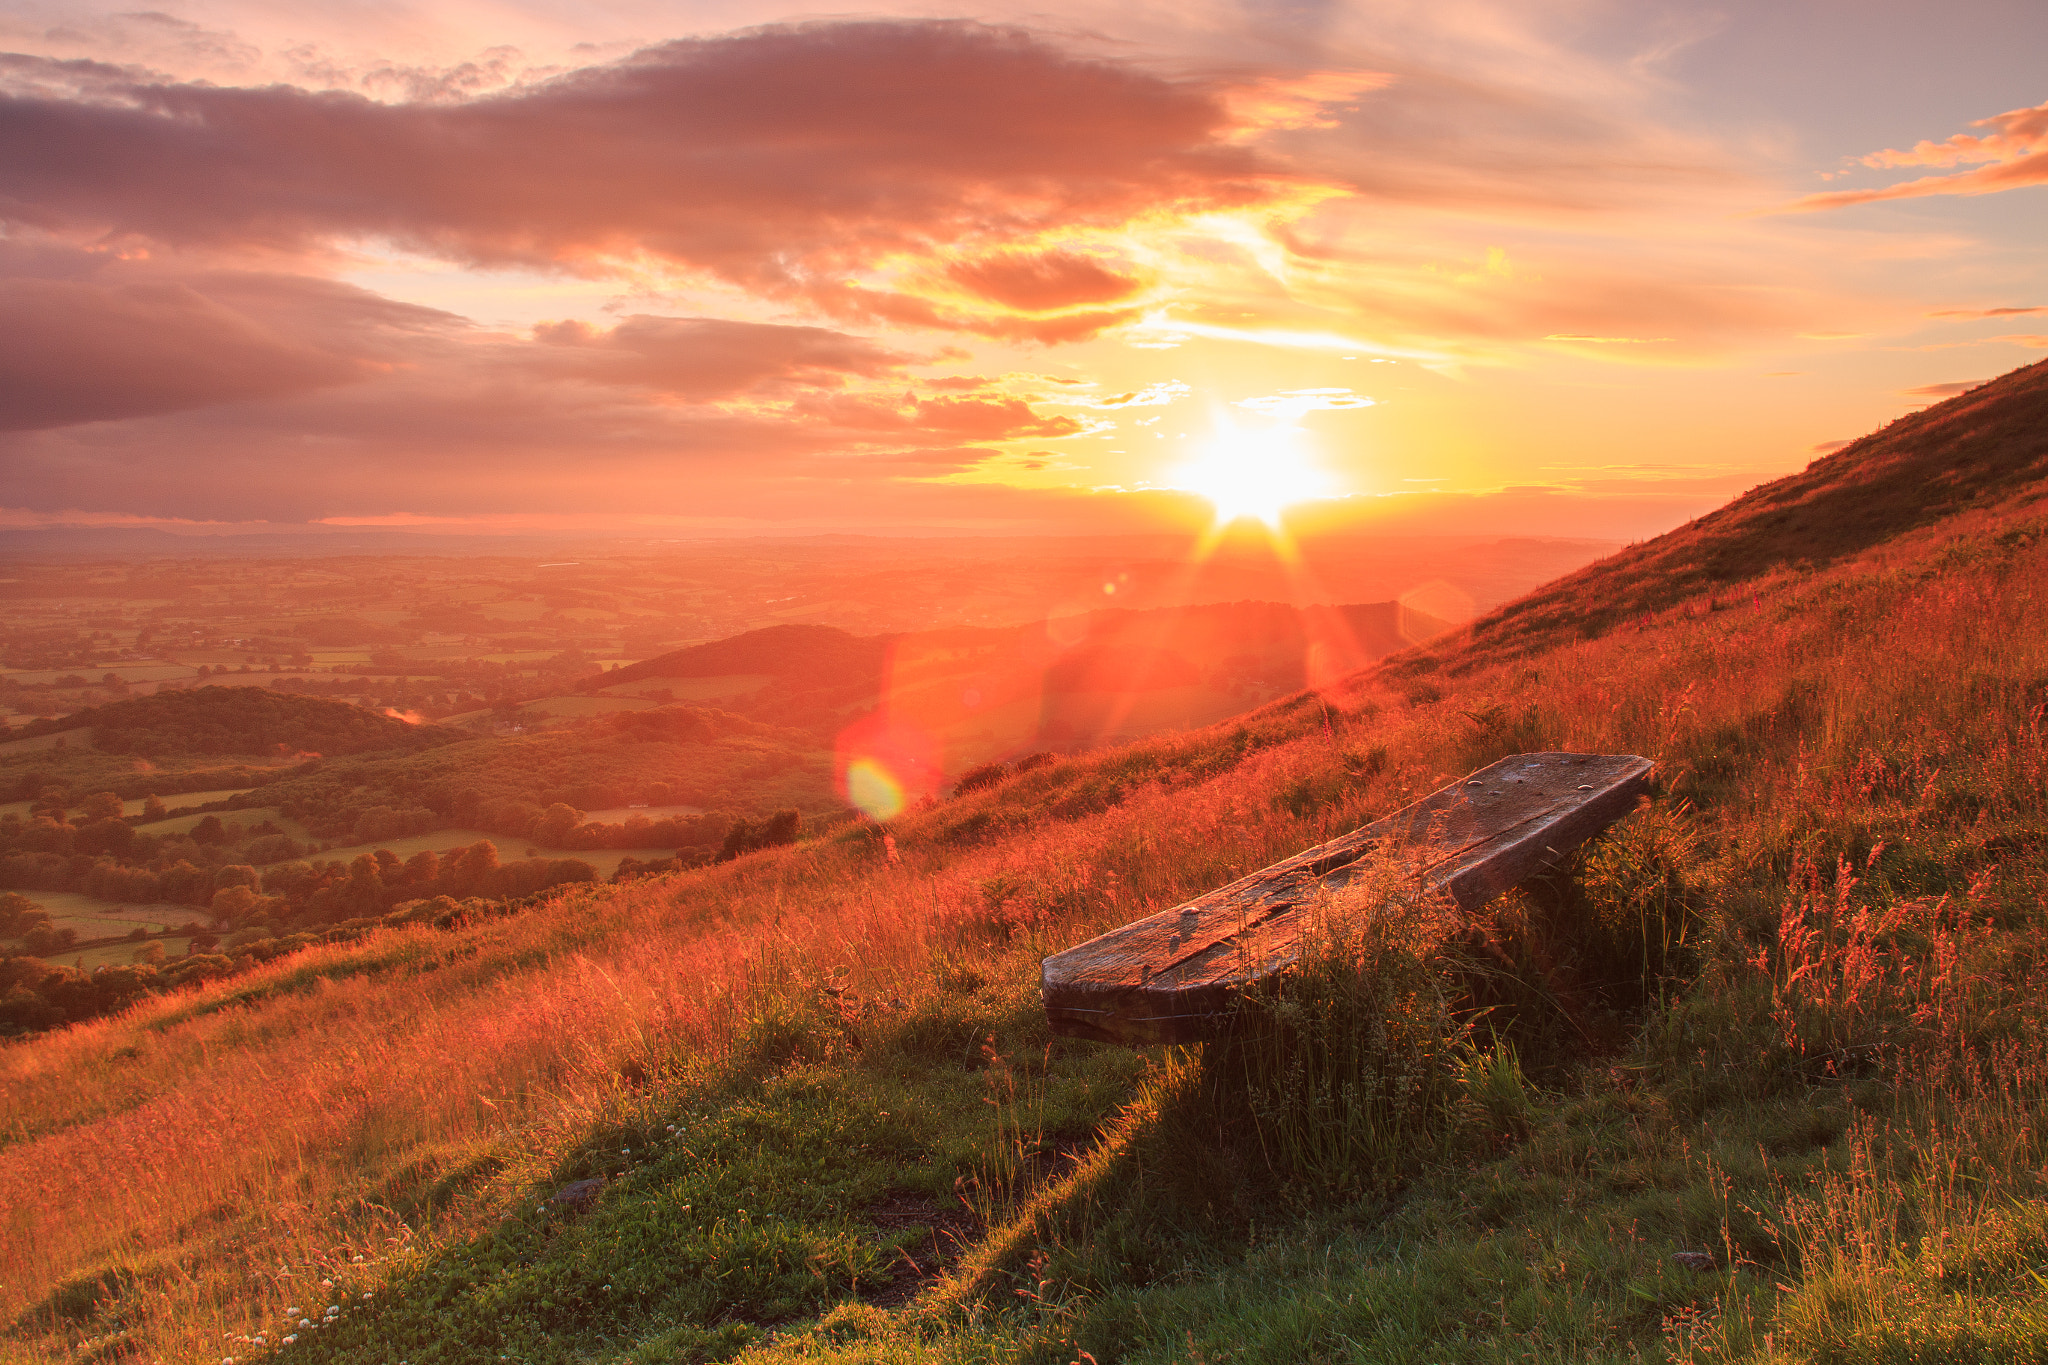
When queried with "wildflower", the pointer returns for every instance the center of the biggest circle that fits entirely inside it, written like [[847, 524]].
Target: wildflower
[[290, 1339], [367, 1294], [291, 1312]]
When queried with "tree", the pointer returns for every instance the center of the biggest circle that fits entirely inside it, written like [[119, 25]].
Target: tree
[[45, 940], [101, 806], [556, 823], [153, 808]]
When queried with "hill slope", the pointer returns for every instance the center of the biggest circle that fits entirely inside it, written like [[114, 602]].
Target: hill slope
[[1756, 1078], [1980, 449]]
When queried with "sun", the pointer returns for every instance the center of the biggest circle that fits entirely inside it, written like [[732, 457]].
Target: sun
[[1256, 474]]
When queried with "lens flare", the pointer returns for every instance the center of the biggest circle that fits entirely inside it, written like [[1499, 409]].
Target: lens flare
[[871, 789]]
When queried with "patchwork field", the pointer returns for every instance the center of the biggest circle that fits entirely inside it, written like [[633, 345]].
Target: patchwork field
[[94, 918]]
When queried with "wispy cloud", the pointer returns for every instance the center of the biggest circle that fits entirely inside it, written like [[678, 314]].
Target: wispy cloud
[[2016, 150]]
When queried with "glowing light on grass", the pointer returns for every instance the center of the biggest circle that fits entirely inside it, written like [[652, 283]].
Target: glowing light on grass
[[870, 787]]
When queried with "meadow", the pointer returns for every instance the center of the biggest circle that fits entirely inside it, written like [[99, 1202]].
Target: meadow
[[1762, 1079]]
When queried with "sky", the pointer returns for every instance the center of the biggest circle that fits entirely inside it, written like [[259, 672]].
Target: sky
[[1563, 268]]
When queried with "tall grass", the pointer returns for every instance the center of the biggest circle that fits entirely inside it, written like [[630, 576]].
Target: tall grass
[[1862, 751]]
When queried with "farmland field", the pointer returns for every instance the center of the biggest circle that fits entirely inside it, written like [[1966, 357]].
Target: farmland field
[[700, 689], [95, 918], [256, 815], [605, 860]]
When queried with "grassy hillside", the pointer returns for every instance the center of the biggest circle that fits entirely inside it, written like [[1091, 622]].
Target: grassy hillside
[[1757, 1077], [1984, 448]]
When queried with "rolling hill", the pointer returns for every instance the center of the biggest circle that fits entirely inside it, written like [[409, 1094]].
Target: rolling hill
[[1757, 1077], [1069, 684]]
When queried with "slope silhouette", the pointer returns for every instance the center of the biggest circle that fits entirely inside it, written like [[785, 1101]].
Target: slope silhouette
[[1975, 450]]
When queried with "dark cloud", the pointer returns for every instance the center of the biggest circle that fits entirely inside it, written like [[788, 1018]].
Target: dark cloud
[[778, 159], [709, 357], [79, 351]]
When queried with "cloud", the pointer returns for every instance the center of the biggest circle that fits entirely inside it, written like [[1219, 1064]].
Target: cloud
[[2016, 150], [88, 351], [1942, 390], [785, 160], [1151, 396], [705, 358], [1044, 281], [1987, 312]]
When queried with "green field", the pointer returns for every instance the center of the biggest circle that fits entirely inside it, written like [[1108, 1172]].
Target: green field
[[95, 918], [184, 799], [118, 954], [255, 815], [698, 689], [618, 815], [149, 672], [605, 860], [70, 739], [578, 707]]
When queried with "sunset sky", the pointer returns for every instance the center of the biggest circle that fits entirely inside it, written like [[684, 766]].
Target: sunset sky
[[1548, 268]]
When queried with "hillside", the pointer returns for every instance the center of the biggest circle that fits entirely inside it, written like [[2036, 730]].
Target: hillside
[[1757, 1077], [1982, 449]]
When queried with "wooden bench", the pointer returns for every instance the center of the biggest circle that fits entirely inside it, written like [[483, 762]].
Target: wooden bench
[[1169, 978]]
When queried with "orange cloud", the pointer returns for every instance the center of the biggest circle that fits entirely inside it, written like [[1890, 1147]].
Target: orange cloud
[[787, 160], [2017, 150]]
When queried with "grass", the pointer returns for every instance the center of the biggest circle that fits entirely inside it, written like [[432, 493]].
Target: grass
[[1757, 1077]]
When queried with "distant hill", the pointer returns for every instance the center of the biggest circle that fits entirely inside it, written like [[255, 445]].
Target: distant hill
[[240, 720], [1976, 449], [1069, 683], [778, 651]]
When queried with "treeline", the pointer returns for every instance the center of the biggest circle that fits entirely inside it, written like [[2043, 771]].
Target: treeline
[[240, 720], [214, 867], [72, 774]]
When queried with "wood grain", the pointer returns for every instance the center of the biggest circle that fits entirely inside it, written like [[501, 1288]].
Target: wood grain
[[1169, 977]]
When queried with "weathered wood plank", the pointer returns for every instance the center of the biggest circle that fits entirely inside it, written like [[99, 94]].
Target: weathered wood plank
[[1169, 977]]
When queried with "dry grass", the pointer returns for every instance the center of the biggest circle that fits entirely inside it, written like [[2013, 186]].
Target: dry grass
[[393, 1093]]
